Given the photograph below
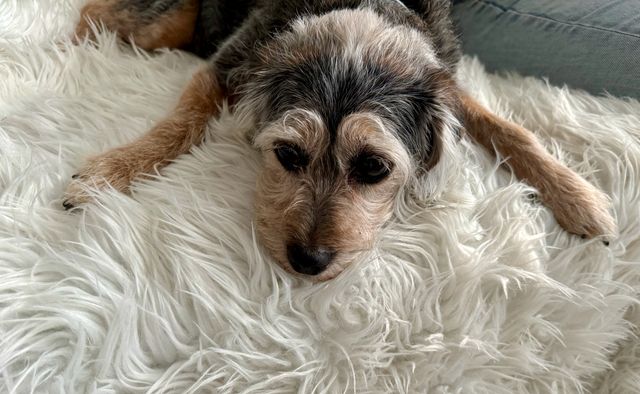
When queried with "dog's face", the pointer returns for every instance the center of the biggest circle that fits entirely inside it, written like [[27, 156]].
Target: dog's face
[[322, 200], [350, 111]]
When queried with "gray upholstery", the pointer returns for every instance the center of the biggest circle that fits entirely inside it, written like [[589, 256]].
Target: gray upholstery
[[587, 44]]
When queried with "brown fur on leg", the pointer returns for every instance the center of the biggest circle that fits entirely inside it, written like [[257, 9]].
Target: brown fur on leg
[[171, 29], [577, 205], [167, 140]]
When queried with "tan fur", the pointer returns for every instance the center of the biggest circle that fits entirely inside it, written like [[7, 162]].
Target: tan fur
[[98, 11], [577, 205], [173, 30], [325, 209], [167, 140], [301, 127]]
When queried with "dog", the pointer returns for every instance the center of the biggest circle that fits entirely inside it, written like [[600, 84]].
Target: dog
[[352, 102]]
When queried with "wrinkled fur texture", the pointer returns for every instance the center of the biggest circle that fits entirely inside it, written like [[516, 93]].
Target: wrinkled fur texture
[[169, 292]]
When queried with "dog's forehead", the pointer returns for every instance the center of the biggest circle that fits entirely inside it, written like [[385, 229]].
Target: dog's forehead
[[307, 129], [358, 32], [333, 93], [351, 62]]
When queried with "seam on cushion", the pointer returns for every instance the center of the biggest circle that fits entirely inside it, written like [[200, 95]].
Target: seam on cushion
[[545, 17]]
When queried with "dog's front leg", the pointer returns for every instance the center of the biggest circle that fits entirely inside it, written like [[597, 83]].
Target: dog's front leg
[[170, 138], [577, 205]]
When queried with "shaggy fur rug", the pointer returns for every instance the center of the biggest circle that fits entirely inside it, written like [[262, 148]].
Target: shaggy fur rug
[[476, 291]]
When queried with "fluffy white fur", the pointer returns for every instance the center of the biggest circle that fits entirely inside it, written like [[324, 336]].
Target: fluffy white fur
[[477, 291]]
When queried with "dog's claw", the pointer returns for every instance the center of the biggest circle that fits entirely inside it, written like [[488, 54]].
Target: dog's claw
[[67, 205], [606, 243], [112, 169], [579, 207]]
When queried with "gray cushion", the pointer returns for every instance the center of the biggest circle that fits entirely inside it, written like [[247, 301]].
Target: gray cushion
[[587, 44]]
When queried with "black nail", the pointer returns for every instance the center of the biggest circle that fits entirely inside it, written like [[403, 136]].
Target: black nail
[[74, 176], [583, 236], [67, 205], [606, 243]]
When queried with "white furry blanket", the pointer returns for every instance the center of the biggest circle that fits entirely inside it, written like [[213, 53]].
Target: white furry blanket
[[168, 291]]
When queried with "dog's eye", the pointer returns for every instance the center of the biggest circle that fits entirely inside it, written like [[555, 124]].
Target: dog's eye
[[291, 157], [370, 169]]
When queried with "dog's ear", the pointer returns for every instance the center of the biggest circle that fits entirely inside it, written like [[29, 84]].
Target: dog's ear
[[434, 169]]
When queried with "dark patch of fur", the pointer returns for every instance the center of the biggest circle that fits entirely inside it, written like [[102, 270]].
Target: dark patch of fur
[[338, 90]]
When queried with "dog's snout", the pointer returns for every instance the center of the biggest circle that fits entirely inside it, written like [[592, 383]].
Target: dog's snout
[[309, 260]]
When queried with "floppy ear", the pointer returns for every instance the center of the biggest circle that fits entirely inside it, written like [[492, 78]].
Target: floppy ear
[[434, 168], [436, 137], [577, 205]]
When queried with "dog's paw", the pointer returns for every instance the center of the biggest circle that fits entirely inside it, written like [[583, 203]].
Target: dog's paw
[[114, 169], [83, 31], [580, 208]]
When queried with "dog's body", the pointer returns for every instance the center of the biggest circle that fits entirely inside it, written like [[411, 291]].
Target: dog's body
[[352, 101]]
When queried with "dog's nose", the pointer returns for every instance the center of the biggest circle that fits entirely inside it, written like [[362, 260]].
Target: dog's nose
[[309, 261]]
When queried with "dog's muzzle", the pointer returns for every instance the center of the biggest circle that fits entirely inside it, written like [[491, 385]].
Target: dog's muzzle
[[309, 260]]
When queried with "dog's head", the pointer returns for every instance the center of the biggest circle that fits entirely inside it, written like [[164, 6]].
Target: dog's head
[[351, 109]]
